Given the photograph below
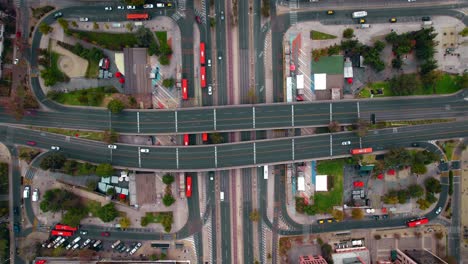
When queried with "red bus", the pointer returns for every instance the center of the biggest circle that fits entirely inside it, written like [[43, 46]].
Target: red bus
[[188, 187], [186, 140], [417, 222], [137, 16], [203, 76], [61, 233], [184, 89], [65, 227], [202, 53], [205, 137], [361, 151]]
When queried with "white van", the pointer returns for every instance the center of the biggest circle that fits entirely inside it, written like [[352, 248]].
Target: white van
[[221, 196]]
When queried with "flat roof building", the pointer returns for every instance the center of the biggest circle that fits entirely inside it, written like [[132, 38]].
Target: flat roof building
[[417, 256], [312, 260], [321, 183]]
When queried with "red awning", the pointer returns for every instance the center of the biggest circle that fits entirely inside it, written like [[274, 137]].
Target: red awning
[[384, 210], [350, 80], [122, 196], [292, 67], [380, 176], [118, 74]]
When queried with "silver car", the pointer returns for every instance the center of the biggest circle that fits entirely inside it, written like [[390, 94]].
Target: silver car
[[210, 90]]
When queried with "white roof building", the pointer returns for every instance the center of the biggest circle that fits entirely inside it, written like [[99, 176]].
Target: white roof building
[[320, 81], [321, 183], [300, 183]]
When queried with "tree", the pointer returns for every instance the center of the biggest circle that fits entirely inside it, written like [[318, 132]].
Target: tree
[[266, 8], [338, 215], [357, 213], [45, 29], [415, 191], [430, 198], [334, 50], [115, 106], [125, 222], [428, 66], [108, 212], [110, 191], [391, 197], [379, 45], [326, 252], [348, 33], [423, 204], [334, 126], [63, 23], [403, 196], [431, 78], [53, 161], [254, 215], [439, 235], [168, 200], [95, 25], [397, 158], [397, 63], [168, 179], [74, 215], [362, 126], [91, 185], [433, 185], [418, 168], [104, 170], [110, 136], [144, 37], [168, 83]]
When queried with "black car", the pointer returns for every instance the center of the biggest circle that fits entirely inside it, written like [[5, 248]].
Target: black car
[[16, 210], [415, 145]]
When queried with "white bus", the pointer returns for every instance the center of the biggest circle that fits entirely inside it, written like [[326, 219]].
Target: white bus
[[221, 196], [359, 14], [265, 172]]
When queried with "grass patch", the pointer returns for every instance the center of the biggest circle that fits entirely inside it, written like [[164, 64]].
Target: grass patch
[[162, 37], [448, 147], [41, 11], [86, 97], [28, 154], [366, 92], [448, 84], [51, 72], [93, 207], [317, 35], [324, 201], [4, 178], [99, 136], [106, 40], [464, 32], [163, 218]]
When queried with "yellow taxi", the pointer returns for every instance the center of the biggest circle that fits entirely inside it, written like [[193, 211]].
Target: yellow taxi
[[362, 21], [321, 221], [393, 20], [330, 12]]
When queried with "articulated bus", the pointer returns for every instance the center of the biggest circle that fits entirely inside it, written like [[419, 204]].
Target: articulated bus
[[202, 53], [138, 16], [203, 76], [361, 151], [184, 89], [65, 227], [188, 187], [417, 222], [61, 233]]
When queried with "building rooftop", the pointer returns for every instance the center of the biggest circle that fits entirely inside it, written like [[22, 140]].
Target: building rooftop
[[423, 256], [321, 183], [137, 71]]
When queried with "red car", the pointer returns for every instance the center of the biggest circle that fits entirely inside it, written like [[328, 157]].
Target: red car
[[105, 234], [358, 184], [31, 143]]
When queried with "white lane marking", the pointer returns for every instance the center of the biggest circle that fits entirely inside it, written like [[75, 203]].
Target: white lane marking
[[139, 157], [216, 156], [358, 112], [255, 152], [292, 115], [176, 127], [292, 144], [177, 157], [138, 122], [214, 118], [253, 116]]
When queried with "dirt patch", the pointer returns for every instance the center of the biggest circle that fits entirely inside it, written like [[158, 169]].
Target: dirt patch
[[69, 63]]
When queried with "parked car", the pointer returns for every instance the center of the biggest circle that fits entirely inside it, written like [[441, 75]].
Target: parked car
[[112, 146], [16, 61], [75, 246], [83, 232], [345, 143], [439, 210], [31, 143], [26, 191], [209, 63], [393, 20], [145, 150], [55, 148], [35, 195], [198, 19], [362, 21], [131, 7], [58, 15], [415, 145], [148, 6], [330, 12], [120, 7], [222, 15], [84, 19], [210, 90], [159, 5], [108, 8]]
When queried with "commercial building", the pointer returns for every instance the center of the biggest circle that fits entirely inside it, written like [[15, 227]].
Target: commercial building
[[353, 255], [417, 256], [321, 183], [312, 260]]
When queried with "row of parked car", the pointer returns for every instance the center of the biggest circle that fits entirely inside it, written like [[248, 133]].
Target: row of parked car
[[121, 247], [35, 194], [74, 244]]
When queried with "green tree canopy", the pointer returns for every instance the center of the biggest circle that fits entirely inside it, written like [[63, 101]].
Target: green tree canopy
[[104, 170], [53, 161], [144, 37], [433, 185], [357, 213], [415, 191], [116, 106], [108, 212], [348, 33], [397, 158], [168, 200], [168, 178], [45, 29]]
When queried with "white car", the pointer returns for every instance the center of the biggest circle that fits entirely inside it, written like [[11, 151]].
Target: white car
[[222, 15], [344, 143], [160, 5], [84, 19], [35, 195], [144, 150], [121, 7], [209, 63], [210, 90], [439, 210], [16, 61], [75, 246], [69, 246], [108, 8], [55, 148], [148, 6], [131, 7], [112, 146], [26, 192], [133, 251]]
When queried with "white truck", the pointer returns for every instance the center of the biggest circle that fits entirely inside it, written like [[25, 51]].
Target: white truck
[[359, 14], [26, 192]]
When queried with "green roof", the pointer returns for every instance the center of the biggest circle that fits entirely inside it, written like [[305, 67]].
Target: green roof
[[366, 168], [329, 65]]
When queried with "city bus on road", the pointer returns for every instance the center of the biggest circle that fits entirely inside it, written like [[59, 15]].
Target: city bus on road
[[138, 16], [186, 139], [265, 172], [203, 76], [361, 151], [205, 137], [417, 222], [65, 227], [188, 186], [202, 53], [61, 233], [184, 89]]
